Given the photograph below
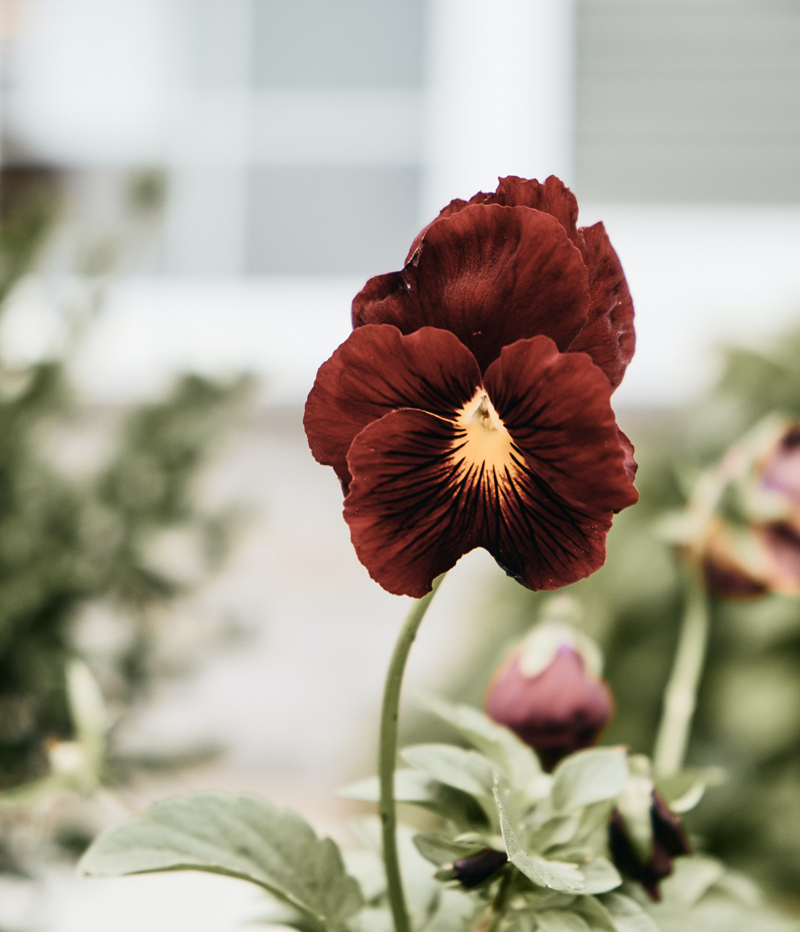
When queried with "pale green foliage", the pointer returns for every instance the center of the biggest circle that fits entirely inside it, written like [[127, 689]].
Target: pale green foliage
[[558, 877], [242, 837]]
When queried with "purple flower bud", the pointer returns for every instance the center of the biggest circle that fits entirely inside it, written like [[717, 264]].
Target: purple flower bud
[[475, 868], [561, 709], [669, 841]]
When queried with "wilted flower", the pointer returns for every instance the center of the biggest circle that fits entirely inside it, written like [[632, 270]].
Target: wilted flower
[[549, 693], [743, 521], [471, 407], [667, 840], [474, 869]]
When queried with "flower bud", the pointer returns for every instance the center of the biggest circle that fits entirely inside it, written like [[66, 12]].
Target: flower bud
[[475, 868], [550, 694], [668, 840]]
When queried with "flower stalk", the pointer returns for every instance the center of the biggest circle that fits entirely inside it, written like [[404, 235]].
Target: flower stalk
[[680, 696], [388, 756]]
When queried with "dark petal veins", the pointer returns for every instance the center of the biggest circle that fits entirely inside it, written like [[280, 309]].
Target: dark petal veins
[[489, 274], [410, 518], [608, 336], [415, 507], [377, 370], [556, 408]]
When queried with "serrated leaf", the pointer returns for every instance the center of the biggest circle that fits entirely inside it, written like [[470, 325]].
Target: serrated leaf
[[440, 850], [238, 836], [467, 771], [555, 875], [628, 916], [599, 875], [589, 777], [501, 746], [559, 920]]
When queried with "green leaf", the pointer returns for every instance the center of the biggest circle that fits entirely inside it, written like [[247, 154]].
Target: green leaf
[[501, 746], [691, 878], [467, 771], [599, 875], [555, 875], [628, 916], [684, 790], [589, 777], [420, 789], [596, 915], [410, 786], [440, 850], [456, 908], [238, 836], [559, 920]]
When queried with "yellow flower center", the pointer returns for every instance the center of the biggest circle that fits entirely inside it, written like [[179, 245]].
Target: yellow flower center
[[486, 442]]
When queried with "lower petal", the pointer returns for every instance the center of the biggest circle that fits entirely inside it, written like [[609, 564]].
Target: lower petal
[[416, 505]]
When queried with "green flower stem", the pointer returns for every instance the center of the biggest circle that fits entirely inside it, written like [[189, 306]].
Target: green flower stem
[[388, 755], [680, 697]]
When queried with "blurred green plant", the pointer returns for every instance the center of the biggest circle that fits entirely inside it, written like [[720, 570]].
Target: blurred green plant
[[747, 719], [67, 540]]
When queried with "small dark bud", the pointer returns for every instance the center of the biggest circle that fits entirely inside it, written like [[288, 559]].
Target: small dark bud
[[558, 708], [474, 869], [669, 841]]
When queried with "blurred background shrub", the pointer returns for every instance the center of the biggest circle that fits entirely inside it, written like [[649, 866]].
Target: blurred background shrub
[[83, 531]]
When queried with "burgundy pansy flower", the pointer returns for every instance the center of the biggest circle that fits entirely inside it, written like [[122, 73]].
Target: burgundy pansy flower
[[471, 407], [550, 694]]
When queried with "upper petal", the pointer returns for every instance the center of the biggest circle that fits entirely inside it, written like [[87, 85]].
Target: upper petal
[[608, 336], [551, 196], [491, 275], [557, 408], [376, 370]]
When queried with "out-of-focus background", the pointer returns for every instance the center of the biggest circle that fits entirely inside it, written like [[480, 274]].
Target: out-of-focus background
[[191, 192]]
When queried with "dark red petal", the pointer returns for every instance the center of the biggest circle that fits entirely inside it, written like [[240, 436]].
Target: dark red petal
[[377, 370], [491, 275], [410, 519], [556, 407], [608, 336], [415, 507], [668, 829], [631, 466], [551, 196]]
